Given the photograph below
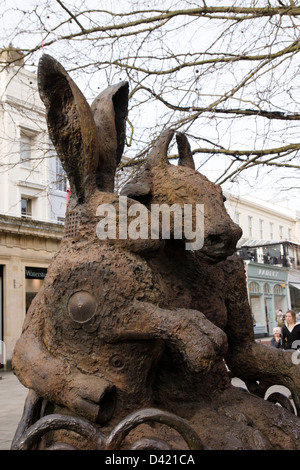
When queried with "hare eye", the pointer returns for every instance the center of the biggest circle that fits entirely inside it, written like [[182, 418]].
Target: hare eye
[[117, 362], [82, 306]]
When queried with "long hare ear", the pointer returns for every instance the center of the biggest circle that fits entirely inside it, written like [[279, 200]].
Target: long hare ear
[[110, 111], [88, 141], [71, 127]]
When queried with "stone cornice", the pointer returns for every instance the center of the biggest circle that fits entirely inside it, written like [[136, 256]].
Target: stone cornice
[[30, 227], [28, 105]]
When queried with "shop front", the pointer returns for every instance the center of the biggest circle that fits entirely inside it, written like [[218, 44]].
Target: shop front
[[33, 282], [268, 292], [26, 250], [294, 288]]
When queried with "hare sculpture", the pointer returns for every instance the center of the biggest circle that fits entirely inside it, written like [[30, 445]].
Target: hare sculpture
[[134, 330]]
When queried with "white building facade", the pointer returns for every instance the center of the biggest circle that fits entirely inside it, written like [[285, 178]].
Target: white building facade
[[263, 220], [31, 177], [33, 196]]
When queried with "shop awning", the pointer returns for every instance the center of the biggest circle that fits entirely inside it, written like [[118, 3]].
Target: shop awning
[[296, 286]]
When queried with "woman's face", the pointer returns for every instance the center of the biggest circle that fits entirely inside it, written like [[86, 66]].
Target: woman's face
[[289, 318]]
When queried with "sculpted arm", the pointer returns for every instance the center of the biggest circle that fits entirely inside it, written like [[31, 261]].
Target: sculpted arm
[[187, 331]]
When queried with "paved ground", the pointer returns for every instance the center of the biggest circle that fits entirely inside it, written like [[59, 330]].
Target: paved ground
[[12, 398]]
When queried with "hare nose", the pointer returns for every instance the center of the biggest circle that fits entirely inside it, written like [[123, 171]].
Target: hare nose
[[107, 405], [224, 241]]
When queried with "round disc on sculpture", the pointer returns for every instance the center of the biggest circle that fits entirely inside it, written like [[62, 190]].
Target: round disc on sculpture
[[82, 306]]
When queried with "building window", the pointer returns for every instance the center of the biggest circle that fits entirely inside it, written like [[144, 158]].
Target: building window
[[26, 207], [26, 142], [257, 312], [280, 232], [237, 218], [253, 288], [266, 288], [271, 231], [261, 228], [61, 179], [289, 234], [250, 231], [278, 289]]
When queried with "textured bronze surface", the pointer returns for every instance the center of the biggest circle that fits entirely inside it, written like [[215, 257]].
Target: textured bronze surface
[[130, 325]]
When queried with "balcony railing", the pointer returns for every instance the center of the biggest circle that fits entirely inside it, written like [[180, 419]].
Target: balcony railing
[[285, 255]]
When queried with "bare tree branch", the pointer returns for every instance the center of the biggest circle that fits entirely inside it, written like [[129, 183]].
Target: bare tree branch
[[225, 75]]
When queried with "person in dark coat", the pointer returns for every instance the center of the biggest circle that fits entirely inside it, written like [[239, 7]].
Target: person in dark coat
[[290, 331], [276, 341]]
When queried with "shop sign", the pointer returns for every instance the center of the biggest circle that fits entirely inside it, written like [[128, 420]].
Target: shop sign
[[266, 272], [35, 273]]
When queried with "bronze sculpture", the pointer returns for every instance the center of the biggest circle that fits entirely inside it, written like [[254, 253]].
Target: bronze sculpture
[[127, 331]]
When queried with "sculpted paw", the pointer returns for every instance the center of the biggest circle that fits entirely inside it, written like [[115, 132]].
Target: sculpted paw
[[201, 341]]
